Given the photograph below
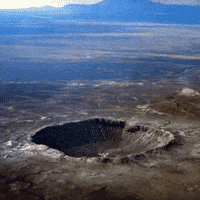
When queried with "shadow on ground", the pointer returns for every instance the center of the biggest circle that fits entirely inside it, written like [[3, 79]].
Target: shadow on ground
[[86, 138]]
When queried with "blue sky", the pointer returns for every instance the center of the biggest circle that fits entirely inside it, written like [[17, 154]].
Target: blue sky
[[19, 4]]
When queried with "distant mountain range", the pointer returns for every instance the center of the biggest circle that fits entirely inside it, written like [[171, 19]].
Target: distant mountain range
[[116, 10]]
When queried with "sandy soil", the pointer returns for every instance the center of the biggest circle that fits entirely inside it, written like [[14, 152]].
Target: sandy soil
[[150, 153]]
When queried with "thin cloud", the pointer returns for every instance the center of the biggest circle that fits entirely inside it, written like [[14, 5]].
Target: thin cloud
[[179, 2], [20, 4]]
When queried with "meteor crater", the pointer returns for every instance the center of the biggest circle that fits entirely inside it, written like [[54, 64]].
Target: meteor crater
[[97, 137]]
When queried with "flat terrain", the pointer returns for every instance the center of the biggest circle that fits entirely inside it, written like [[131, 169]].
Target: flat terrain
[[149, 148]]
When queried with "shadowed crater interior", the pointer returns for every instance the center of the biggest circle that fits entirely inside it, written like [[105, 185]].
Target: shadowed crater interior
[[85, 138], [97, 137]]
